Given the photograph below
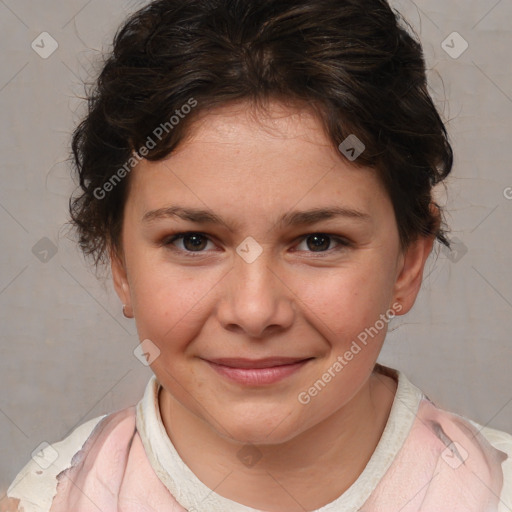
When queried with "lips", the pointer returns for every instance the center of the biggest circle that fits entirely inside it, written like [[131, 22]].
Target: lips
[[257, 372], [268, 362]]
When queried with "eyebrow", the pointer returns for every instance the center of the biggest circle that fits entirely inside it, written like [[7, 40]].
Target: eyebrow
[[293, 218]]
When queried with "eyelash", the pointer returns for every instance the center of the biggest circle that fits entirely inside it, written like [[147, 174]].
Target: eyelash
[[167, 242]]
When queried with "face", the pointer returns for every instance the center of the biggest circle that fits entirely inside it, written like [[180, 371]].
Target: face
[[256, 279]]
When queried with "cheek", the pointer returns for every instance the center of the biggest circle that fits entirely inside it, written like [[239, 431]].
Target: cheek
[[169, 302], [346, 300]]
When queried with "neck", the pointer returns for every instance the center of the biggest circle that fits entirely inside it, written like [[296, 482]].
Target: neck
[[329, 456]]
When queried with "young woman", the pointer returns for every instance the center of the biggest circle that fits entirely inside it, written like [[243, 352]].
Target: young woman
[[259, 176]]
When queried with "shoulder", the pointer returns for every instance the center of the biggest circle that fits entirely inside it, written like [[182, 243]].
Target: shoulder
[[470, 465], [35, 486], [445, 461], [501, 441], [36, 483]]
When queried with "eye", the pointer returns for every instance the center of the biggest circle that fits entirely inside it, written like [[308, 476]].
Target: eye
[[194, 242], [191, 242], [321, 242]]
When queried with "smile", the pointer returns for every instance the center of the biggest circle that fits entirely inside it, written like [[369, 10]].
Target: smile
[[257, 372]]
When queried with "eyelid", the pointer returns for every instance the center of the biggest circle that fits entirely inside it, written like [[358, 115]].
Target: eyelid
[[343, 242], [167, 242]]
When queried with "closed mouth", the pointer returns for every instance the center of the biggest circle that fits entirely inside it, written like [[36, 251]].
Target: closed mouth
[[268, 362]]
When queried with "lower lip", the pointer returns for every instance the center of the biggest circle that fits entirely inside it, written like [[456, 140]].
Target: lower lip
[[258, 376]]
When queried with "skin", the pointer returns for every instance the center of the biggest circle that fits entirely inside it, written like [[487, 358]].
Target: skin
[[251, 167]]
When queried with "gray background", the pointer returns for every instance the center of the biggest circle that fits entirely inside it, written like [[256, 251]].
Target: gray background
[[66, 349]]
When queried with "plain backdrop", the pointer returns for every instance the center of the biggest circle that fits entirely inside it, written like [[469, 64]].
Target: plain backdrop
[[66, 349]]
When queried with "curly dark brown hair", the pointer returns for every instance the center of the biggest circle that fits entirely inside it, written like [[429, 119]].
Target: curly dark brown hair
[[354, 62]]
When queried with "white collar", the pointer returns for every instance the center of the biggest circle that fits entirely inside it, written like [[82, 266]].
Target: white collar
[[192, 494]]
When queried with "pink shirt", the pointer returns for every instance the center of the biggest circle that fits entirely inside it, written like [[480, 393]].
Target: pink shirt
[[427, 460]]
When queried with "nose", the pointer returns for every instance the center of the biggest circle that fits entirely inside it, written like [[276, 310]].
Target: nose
[[256, 301]]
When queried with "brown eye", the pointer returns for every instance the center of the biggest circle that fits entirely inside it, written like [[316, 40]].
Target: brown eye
[[318, 242], [322, 242], [192, 242]]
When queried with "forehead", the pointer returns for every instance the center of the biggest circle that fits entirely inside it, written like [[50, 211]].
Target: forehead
[[272, 120], [267, 159]]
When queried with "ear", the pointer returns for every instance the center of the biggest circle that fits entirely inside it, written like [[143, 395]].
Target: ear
[[410, 272], [121, 284]]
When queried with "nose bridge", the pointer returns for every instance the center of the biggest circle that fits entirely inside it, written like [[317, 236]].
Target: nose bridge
[[257, 298], [256, 277]]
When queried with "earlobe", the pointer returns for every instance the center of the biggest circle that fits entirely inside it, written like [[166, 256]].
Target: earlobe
[[410, 272], [121, 285]]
